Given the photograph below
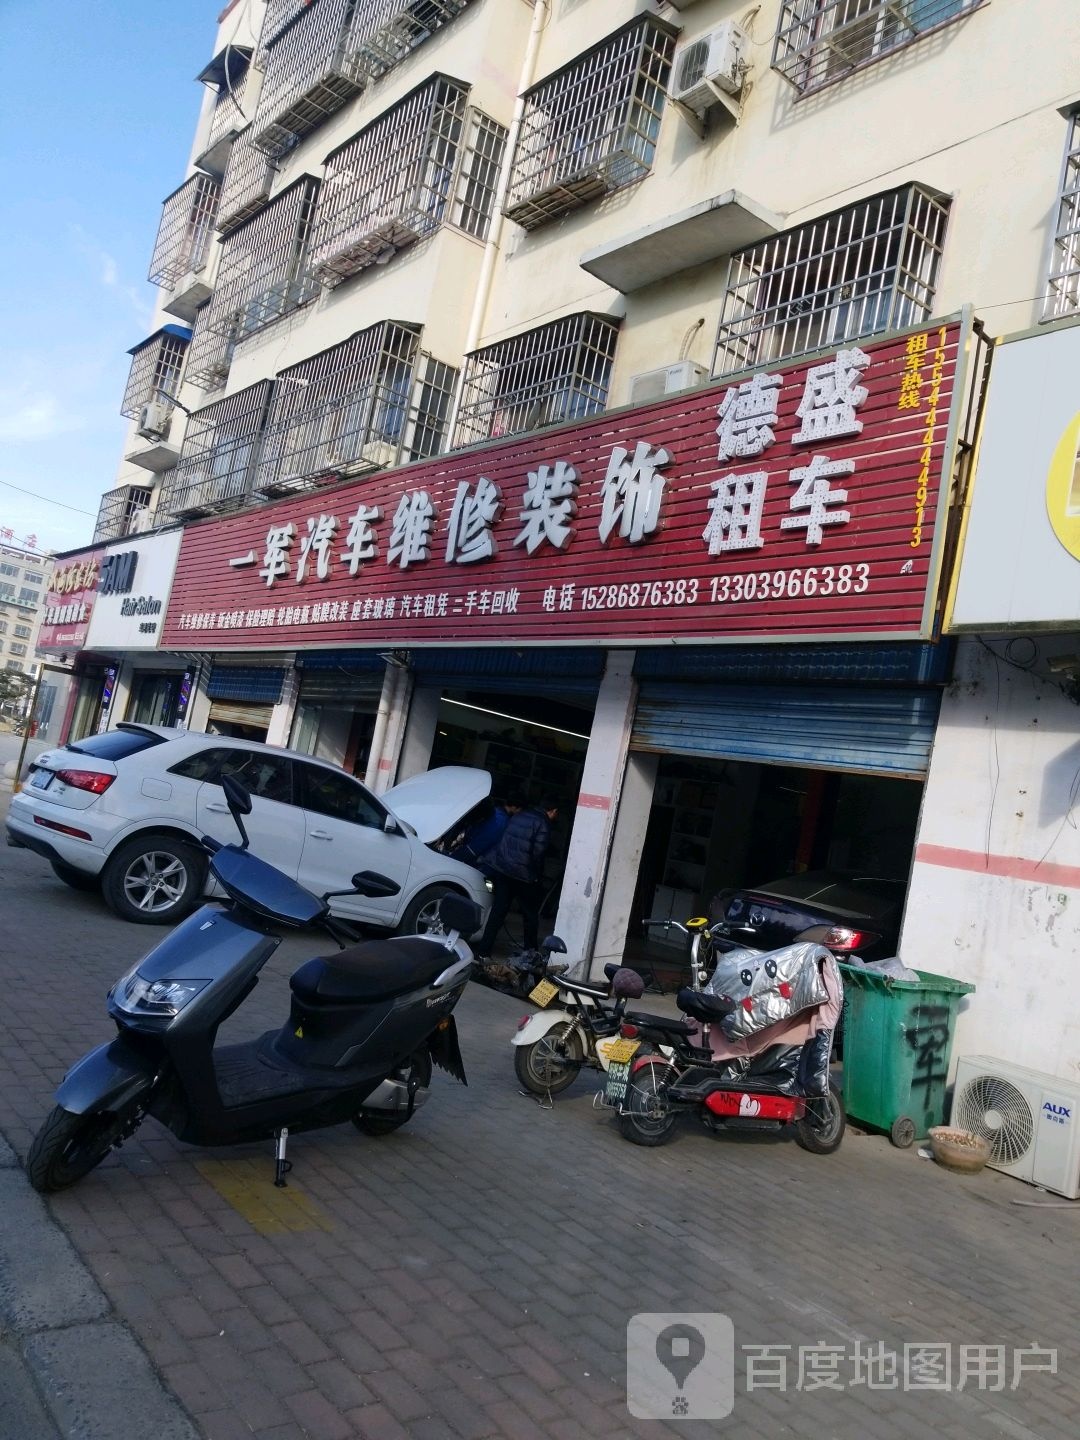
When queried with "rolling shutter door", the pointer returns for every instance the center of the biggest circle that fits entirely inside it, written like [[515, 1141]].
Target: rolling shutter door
[[244, 694], [346, 679], [877, 731]]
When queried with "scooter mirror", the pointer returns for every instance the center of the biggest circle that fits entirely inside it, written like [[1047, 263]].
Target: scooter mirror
[[237, 797], [553, 946], [374, 885]]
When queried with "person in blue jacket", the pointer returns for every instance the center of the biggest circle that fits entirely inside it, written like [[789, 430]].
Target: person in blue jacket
[[516, 867], [484, 834]]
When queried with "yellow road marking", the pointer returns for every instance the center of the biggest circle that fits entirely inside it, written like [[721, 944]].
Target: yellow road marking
[[248, 1186]]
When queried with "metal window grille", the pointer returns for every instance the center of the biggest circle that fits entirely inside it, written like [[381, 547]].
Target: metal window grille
[[342, 411], [187, 225], [867, 268], [591, 127], [121, 512], [819, 41], [155, 365], [557, 372], [325, 52], [229, 115], [1063, 281], [391, 183], [246, 186], [478, 179], [262, 275], [217, 461]]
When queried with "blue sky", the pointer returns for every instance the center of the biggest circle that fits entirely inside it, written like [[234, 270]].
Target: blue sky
[[98, 105]]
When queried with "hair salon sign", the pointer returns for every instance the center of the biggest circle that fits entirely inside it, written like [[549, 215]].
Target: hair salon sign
[[800, 502]]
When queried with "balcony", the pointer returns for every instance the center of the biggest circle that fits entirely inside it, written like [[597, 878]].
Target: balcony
[[156, 364], [246, 187], [262, 275], [124, 511], [592, 127], [395, 182], [868, 268], [1063, 278], [228, 75], [819, 42], [374, 401], [216, 465], [319, 55], [182, 246], [547, 376]]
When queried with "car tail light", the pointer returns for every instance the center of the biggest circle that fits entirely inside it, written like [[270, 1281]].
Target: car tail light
[[93, 780], [839, 937], [628, 1032]]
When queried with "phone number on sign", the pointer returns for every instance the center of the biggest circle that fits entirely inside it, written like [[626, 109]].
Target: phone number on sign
[[779, 584], [623, 597]]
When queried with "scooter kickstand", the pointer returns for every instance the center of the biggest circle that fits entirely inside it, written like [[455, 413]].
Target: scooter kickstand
[[281, 1165]]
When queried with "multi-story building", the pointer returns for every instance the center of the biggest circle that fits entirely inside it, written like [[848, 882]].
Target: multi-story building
[[24, 578], [611, 374]]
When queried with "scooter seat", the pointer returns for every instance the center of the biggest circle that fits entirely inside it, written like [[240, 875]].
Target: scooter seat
[[702, 1006], [373, 970], [662, 1022]]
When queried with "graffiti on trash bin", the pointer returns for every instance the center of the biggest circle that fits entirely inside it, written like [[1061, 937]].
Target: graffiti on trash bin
[[928, 1036]]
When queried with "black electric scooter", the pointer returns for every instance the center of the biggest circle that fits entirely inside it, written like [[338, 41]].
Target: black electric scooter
[[363, 1029]]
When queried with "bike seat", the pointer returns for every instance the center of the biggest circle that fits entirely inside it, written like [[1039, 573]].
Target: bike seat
[[662, 1022], [575, 987], [702, 1006], [611, 968], [373, 970]]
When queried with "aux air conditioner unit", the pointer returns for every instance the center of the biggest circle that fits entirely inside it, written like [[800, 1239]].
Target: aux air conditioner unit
[[1031, 1121], [655, 384], [154, 421], [710, 70], [140, 522]]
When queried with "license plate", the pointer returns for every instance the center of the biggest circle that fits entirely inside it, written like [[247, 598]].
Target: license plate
[[619, 1052], [543, 993], [42, 779], [618, 1077]]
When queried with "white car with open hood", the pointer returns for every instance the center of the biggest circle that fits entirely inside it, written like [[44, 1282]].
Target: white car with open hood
[[123, 810]]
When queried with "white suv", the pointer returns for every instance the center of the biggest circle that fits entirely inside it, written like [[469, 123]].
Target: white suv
[[125, 810]]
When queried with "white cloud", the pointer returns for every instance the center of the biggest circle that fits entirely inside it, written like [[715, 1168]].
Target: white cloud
[[109, 275]]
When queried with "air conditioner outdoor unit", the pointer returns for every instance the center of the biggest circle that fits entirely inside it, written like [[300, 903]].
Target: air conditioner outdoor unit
[[154, 421], [1031, 1121], [140, 522], [710, 70], [655, 384]]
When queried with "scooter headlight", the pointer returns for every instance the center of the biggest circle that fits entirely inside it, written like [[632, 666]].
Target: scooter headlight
[[156, 997]]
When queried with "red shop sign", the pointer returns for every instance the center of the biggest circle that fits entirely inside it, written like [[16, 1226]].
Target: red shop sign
[[800, 503], [70, 602]]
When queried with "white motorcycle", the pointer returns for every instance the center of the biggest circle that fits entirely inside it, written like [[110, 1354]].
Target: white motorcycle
[[576, 1025]]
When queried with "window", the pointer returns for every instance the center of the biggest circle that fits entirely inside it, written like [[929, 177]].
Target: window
[[7, 590], [22, 632], [339, 797], [155, 367], [555, 373], [474, 198], [392, 183], [121, 510], [591, 127], [9, 570], [858, 271], [32, 579], [3, 628], [270, 777], [262, 275], [1063, 281], [116, 744], [185, 231], [215, 465], [29, 598], [17, 649], [14, 665], [318, 55], [819, 41]]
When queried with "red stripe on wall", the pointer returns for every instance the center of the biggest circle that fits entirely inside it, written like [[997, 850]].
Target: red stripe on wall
[[594, 802], [1013, 867]]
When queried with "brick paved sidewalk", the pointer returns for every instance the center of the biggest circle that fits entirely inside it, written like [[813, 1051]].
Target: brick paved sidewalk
[[473, 1275]]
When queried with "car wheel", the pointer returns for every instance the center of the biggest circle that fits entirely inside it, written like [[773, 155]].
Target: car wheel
[[422, 912], [153, 879], [77, 879]]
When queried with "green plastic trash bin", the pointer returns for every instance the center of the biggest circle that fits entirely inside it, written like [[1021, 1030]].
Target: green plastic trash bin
[[897, 1039]]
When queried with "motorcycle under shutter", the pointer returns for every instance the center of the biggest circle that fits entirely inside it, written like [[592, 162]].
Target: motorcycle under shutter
[[887, 731]]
